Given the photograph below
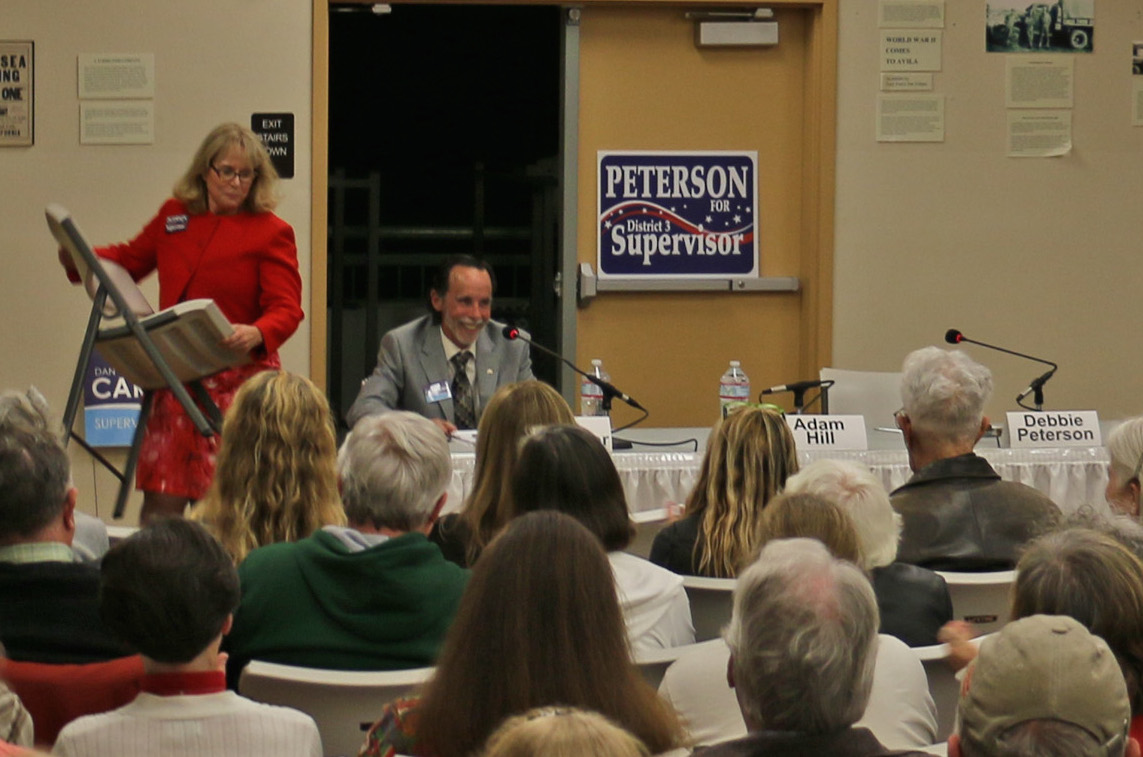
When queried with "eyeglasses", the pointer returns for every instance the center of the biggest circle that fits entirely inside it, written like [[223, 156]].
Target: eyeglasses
[[226, 173]]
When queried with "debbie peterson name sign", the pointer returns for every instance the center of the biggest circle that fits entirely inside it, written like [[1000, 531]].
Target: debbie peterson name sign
[[677, 214]]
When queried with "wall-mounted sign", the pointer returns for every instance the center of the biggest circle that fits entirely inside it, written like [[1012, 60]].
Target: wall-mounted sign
[[110, 405], [277, 132], [903, 50], [116, 76], [117, 122], [17, 98], [677, 214]]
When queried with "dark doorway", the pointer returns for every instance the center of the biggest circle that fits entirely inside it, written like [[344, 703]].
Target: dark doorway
[[444, 137]]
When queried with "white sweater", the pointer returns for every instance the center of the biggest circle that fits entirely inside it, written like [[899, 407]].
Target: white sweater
[[221, 725]]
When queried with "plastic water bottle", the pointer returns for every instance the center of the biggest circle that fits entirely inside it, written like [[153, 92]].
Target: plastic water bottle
[[733, 388], [591, 395]]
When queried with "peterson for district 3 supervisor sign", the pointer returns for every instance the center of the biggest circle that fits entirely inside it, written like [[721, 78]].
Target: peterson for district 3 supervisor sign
[[678, 214]]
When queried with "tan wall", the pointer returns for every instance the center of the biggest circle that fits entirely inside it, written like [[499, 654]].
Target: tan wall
[[645, 86], [1039, 255], [215, 60]]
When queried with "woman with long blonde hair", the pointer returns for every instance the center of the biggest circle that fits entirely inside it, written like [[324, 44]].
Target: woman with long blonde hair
[[514, 411], [276, 472], [749, 456]]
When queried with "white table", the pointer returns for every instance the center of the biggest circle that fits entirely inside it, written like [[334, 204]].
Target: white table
[[1071, 476]]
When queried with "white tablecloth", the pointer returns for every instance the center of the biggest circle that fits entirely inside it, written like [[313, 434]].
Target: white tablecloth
[[1071, 476]]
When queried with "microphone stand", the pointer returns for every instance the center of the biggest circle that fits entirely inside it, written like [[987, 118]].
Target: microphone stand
[[799, 392], [1035, 388], [610, 392]]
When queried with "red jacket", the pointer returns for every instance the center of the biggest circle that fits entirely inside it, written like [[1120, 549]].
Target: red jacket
[[247, 263]]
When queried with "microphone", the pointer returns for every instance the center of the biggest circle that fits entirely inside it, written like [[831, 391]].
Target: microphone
[[797, 386], [511, 333], [1037, 385], [953, 336]]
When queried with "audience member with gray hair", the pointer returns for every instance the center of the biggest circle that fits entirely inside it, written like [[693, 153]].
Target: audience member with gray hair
[[1125, 447], [957, 513], [376, 595], [914, 602], [803, 639], [1044, 686], [50, 600], [30, 410]]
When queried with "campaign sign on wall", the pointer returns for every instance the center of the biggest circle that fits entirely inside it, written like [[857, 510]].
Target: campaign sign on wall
[[678, 214], [110, 405]]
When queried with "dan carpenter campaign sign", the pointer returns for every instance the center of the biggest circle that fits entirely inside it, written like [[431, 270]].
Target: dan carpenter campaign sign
[[111, 405], [678, 214]]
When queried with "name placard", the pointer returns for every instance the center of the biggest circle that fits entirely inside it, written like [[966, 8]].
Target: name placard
[[600, 425], [828, 431], [1055, 428]]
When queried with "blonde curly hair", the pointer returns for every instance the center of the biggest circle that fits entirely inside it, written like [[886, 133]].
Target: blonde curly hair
[[276, 473], [749, 456]]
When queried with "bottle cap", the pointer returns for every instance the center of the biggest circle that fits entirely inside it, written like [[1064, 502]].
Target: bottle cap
[[735, 364], [596, 361]]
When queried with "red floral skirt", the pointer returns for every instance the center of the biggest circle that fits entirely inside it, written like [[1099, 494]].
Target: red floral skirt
[[174, 457]]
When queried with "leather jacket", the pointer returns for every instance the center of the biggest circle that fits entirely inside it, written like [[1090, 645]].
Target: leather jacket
[[958, 515]]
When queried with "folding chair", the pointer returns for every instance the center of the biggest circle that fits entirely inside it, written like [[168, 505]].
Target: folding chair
[[172, 348], [343, 703], [711, 603], [981, 598]]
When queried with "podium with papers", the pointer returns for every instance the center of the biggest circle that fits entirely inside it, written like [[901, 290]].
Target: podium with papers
[[171, 349]]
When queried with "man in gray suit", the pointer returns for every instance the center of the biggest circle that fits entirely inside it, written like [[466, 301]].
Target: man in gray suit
[[446, 365]]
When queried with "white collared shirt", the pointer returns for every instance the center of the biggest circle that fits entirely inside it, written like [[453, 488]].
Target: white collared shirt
[[451, 349]]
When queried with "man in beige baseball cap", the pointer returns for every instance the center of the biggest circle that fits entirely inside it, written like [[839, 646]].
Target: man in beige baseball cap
[[1044, 686]]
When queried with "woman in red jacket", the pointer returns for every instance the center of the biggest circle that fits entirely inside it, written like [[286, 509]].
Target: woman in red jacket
[[218, 239]]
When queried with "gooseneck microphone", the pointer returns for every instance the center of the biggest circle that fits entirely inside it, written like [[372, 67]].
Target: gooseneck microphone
[[1035, 387], [798, 386], [511, 333]]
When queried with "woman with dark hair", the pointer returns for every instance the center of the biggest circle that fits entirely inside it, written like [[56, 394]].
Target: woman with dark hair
[[514, 411], [538, 626], [566, 468], [748, 457]]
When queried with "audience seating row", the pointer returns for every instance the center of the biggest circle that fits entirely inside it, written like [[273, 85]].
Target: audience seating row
[[345, 703], [55, 695]]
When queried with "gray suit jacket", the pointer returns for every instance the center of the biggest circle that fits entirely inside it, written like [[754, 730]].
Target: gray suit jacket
[[412, 357]]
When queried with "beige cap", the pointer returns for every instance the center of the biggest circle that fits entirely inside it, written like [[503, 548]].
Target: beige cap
[[1045, 666]]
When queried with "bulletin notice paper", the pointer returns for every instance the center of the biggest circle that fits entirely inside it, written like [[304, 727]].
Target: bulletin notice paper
[[1136, 101], [1039, 133], [1041, 81], [911, 14], [910, 50], [117, 122], [116, 76], [910, 118], [906, 82]]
